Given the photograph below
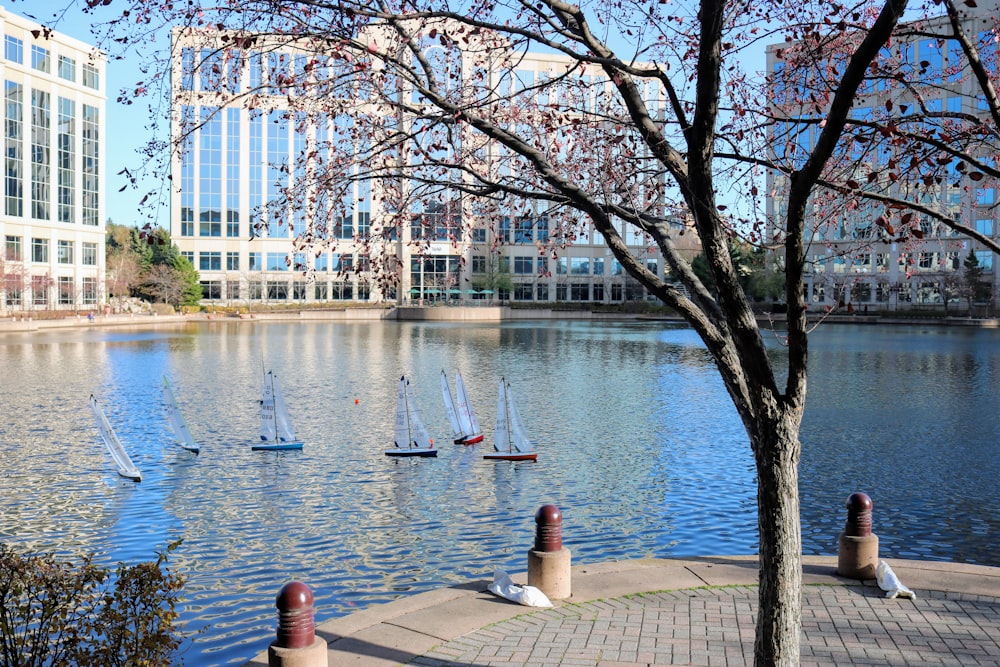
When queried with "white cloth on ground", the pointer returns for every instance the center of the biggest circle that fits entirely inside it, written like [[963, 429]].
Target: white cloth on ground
[[529, 596]]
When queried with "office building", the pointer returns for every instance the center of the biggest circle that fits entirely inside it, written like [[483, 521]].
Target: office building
[[52, 218], [246, 200]]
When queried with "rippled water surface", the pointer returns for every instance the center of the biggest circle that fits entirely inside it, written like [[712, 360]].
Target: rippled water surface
[[639, 446]]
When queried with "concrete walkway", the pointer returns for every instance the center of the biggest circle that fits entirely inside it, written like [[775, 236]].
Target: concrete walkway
[[682, 612]]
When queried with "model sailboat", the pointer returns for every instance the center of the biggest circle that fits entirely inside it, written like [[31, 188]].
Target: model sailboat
[[510, 438], [276, 432], [177, 422], [411, 436], [464, 422], [124, 464]]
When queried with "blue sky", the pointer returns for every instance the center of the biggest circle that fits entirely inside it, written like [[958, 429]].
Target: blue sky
[[125, 125]]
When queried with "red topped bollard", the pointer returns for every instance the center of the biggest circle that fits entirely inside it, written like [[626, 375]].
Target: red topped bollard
[[857, 557], [296, 644], [549, 561], [859, 515], [548, 529]]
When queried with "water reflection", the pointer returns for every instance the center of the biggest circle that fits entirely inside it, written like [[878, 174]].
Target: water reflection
[[639, 446]]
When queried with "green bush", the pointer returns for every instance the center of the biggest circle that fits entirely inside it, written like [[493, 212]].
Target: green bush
[[56, 613]]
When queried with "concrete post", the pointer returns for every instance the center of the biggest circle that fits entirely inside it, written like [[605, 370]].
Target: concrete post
[[297, 644], [857, 557], [549, 561]]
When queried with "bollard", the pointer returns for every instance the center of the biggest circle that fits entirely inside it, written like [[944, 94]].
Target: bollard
[[858, 554], [549, 561], [296, 644]]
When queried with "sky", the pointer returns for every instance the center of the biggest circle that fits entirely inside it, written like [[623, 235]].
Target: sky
[[125, 125]]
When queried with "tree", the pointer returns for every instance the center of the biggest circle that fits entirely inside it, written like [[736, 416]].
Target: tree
[[975, 289], [53, 612], [190, 293], [656, 107]]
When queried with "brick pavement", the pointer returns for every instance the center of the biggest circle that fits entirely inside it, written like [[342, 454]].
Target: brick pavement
[[842, 625], [681, 612]]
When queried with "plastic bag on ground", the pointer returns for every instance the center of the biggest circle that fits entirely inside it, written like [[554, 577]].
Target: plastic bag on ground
[[888, 582], [529, 596]]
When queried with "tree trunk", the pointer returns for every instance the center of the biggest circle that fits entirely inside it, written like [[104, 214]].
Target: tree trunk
[[779, 619]]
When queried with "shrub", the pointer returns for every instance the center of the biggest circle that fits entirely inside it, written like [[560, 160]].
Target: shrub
[[55, 613]]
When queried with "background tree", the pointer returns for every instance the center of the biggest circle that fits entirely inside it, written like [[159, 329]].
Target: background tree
[[975, 289], [437, 108]]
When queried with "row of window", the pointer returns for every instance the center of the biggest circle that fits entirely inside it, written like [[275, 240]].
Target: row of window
[[33, 171], [41, 61], [925, 261], [218, 290], [40, 247], [576, 266], [39, 292]]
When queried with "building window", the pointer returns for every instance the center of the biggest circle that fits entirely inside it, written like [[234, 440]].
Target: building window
[[579, 266], [579, 292], [542, 292], [561, 266], [210, 261], [66, 291], [479, 235], [189, 256], [91, 77], [40, 290], [523, 292], [40, 250], [255, 263], [321, 263], [13, 49], [89, 187], [66, 159], [14, 142], [598, 291], [232, 261], [88, 254], [40, 59], [67, 68], [478, 264], [524, 266], [210, 176], [322, 292], [598, 268], [40, 159], [89, 292], [12, 249], [233, 173], [211, 289], [277, 261], [233, 289], [64, 251], [985, 258], [985, 226]]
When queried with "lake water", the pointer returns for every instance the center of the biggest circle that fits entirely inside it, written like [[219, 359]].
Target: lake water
[[639, 446]]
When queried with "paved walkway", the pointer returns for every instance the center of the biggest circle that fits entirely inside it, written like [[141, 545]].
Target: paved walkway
[[682, 612]]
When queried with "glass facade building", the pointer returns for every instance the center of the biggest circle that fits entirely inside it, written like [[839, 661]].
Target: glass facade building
[[51, 221], [246, 198]]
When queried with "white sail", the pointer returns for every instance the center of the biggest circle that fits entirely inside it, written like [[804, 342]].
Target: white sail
[[419, 436], [177, 422], [282, 420], [402, 428], [124, 464], [466, 415], [518, 435], [449, 406], [501, 434], [409, 433], [268, 425]]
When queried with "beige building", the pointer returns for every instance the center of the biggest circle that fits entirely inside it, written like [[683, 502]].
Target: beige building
[[232, 216], [851, 258], [52, 218]]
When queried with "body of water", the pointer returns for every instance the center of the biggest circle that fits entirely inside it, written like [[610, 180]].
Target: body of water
[[639, 446]]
